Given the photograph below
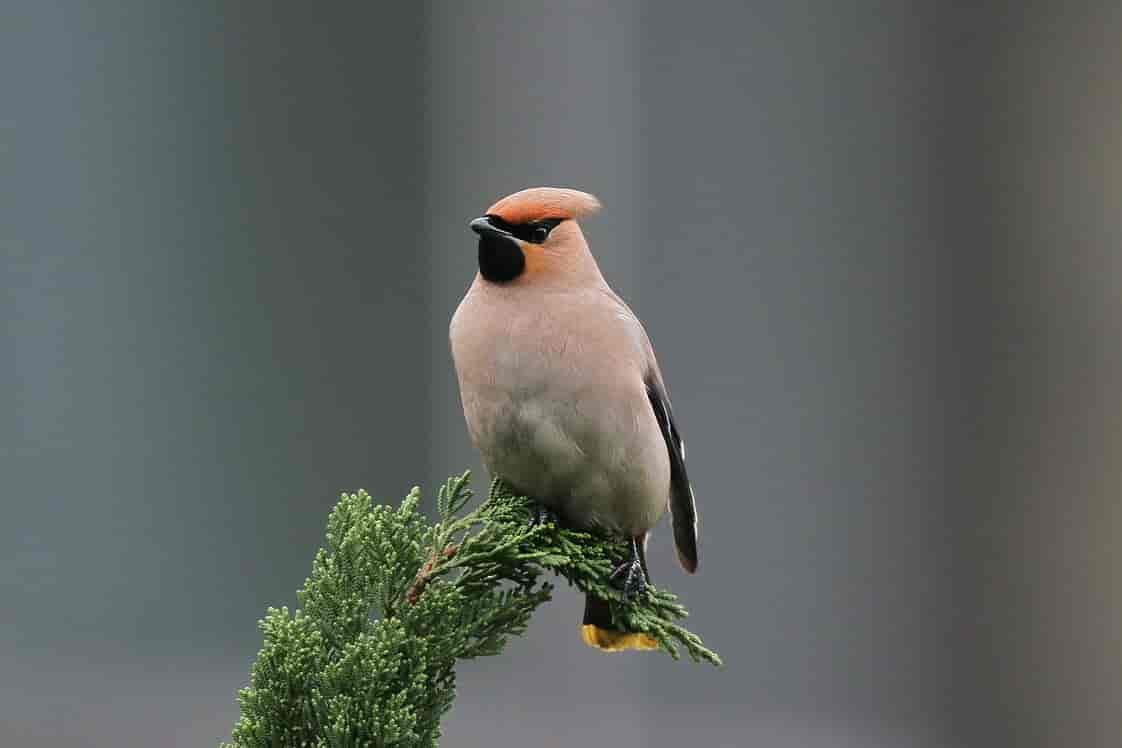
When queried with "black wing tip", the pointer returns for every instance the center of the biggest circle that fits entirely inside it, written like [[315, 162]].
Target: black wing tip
[[689, 564], [687, 555]]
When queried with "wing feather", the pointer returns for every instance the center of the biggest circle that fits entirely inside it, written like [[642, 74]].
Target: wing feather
[[683, 509]]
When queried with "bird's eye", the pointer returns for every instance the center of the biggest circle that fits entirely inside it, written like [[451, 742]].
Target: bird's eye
[[540, 233]]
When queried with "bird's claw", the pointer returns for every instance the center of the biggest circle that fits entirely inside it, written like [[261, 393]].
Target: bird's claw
[[542, 515], [629, 578]]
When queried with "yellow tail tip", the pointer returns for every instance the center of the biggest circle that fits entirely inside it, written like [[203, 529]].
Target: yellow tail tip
[[615, 641]]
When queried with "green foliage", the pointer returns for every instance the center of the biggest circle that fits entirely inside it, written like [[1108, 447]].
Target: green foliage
[[393, 602]]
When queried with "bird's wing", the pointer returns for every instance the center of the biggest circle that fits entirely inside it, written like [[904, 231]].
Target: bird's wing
[[683, 509]]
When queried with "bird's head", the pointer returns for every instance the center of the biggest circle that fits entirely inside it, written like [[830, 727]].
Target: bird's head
[[532, 236]]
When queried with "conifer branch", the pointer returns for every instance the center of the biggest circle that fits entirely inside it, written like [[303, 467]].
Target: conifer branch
[[393, 602]]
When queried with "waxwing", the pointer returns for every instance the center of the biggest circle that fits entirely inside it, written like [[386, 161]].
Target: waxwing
[[561, 391]]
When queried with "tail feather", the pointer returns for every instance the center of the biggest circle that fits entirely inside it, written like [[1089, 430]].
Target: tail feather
[[600, 632]]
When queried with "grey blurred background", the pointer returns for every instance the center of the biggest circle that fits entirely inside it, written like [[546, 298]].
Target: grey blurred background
[[876, 245]]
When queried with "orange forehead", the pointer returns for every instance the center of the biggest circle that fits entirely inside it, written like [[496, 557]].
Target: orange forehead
[[544, 202]]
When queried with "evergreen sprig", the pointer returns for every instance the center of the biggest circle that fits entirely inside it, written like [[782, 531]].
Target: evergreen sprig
[[393, 601]]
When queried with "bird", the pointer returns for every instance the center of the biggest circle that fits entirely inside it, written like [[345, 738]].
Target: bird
[[563, 395]]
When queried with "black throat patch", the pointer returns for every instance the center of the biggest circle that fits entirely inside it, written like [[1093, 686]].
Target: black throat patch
[[500, 258]]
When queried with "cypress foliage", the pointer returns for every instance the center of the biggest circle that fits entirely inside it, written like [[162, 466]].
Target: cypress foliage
[[394, 600]]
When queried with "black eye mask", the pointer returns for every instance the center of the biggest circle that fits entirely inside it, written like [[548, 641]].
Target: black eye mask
[[534, 232]]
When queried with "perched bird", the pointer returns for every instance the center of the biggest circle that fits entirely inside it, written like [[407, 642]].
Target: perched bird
[[562, 393]]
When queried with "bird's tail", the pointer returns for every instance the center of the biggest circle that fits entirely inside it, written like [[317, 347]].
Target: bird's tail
[[598, 630]]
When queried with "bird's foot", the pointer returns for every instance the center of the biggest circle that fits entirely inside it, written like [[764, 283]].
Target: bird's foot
[[540, 514], [629, 578]]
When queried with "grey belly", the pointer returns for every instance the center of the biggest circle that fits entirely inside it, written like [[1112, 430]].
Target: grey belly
[[591, 474]]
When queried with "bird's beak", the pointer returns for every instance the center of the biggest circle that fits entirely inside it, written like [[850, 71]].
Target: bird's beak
[[484, 227]]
